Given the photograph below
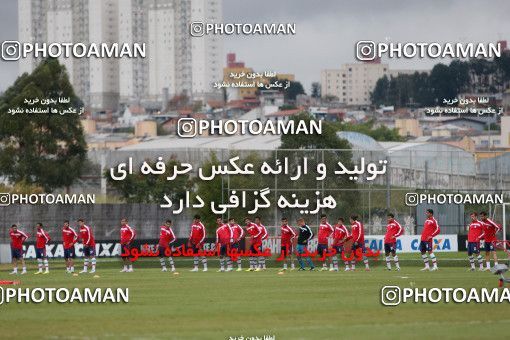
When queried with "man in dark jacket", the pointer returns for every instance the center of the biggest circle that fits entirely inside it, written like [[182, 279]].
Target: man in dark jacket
[[305, 235]]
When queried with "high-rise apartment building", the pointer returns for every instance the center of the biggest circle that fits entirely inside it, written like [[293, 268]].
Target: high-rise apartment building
[[175, 61], [206, 51]]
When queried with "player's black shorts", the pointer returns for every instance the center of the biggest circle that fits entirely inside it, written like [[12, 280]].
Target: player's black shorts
[[489, 246], [390, 247], [235, 245], [322, 249], [69, 253], [125, 249], [164, 251], [255, 248], [473, 248], [89, 251], [223, 250], [286, 249], [425, 246], [361, 245], [339, 249], [16, 253], [40, 253], [196, 249]]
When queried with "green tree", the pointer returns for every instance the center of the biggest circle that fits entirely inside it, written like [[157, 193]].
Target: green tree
[[316, 90], [294, 90], [47, 150], [380, 134], [503, 70], [140, 188], [380, 94], [422, 89], [219, 188], [326, 148]]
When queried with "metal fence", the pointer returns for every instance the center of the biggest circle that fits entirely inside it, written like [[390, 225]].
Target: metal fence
[[409, 169]]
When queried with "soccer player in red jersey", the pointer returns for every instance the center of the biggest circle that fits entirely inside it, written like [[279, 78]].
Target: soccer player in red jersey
[[196, 242], [490, 229], [287, 239], [42, 239], [358, 236], [17, 239], [263, 235], [166, 238], [89, 247], [224, 238], [256, 242], [325, 232], [430, 230], [69, 238], [238, 234], [127, 236], [393, 230], [340, 235], [475, 234]]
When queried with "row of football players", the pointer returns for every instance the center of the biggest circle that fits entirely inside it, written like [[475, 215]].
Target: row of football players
[[480, 228], [229, 235], [127, 235], [69, 239]]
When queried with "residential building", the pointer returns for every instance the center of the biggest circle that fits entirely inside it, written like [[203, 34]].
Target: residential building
[[353, 83], [236, 67], [408, 127], [505, 131], [206, 51], [103, 72], [175, 62]]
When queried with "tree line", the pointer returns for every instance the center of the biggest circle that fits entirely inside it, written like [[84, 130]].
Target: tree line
[[444, 81]]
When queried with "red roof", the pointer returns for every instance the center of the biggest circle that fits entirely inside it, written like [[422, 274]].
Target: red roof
[[136, 109], [215, 103], [285, 113], [243, 103]]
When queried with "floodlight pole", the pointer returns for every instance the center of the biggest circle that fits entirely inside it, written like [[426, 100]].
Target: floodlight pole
[[504, 225]]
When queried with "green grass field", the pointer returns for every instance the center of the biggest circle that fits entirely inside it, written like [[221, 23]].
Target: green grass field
[[296, 305]]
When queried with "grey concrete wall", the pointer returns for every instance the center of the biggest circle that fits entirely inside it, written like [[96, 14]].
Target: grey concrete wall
[[103, 218]]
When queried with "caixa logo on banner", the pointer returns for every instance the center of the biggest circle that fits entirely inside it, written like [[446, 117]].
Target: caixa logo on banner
[[439, 244], [411, 243], [103, 248]]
